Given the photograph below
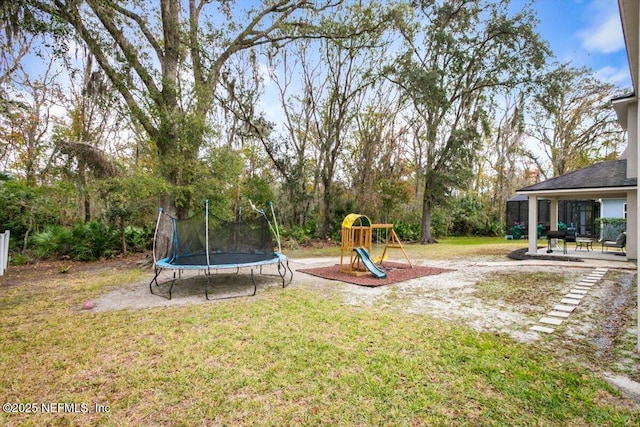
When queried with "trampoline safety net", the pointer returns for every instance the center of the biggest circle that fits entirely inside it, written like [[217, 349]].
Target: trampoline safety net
[[230, 242], [204, 242]]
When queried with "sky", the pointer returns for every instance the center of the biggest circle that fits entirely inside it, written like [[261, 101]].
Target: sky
[[584, 32], [588, 33]]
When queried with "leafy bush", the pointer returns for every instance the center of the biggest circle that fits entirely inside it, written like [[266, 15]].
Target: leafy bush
[[21, 258], [130, 200], [440, 224], [611, 227], [84, 242], [25, 210], [137, 238], [471, 218], [92, 240], [300, 234], [258, 191], [53, 242], [407, 232]]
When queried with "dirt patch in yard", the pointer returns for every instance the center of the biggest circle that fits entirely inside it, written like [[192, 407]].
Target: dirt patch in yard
[[39, 271]]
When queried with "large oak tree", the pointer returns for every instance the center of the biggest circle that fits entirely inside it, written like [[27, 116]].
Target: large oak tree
[[166, 59], [455, 54]]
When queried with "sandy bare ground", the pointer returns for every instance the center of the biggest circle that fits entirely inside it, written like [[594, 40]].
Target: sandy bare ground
[[448, 295]]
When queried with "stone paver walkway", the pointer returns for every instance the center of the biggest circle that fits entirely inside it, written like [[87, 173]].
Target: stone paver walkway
[[569, 302]]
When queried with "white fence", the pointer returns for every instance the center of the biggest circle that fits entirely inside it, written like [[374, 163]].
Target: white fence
[[4, 251]]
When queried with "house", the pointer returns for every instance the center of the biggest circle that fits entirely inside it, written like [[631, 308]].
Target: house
[[611, 180], [582, 214], [627, 110], [581, 196], [613, 208], [615, 179]]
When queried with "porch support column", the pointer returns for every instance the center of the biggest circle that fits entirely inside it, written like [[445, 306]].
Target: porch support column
[[633, 166], [532, 225], [632, 225], [553, 214]]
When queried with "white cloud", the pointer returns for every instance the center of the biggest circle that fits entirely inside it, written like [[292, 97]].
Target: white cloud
[[604, 35], [617, 76]]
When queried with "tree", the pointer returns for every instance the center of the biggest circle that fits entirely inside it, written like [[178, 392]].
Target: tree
[[505, 150], [347, 64], [332, 73], [573, 121], [166, 60], [12, 51], [28, 119], [167, 66], [90, 125], [291, 151], [377, 159], [455, 54]]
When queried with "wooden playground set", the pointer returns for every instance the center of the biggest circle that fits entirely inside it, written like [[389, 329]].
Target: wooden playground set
[[356, 246]]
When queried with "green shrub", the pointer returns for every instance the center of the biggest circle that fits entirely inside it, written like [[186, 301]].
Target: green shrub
[[20, 258], [469, 217], [137, 238], [25, 210], [93, 240], [300, 234], [611, 227], [53, 242], [84, 242], [407, 232], [440, 222]]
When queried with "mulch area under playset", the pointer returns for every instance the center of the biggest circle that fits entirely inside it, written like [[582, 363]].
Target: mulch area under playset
[[396, 272]]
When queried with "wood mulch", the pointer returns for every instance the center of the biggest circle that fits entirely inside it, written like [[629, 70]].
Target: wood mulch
[[396, 272]]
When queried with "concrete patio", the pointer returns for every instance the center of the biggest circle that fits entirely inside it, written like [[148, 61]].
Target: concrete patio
[[576, 252]]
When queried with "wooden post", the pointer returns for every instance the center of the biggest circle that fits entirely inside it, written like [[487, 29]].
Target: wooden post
[[393, 242]]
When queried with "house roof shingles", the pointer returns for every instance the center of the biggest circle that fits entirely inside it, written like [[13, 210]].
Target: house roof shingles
[[608, 174]]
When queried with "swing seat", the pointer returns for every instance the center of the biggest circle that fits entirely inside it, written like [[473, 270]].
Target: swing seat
[[379, 259]]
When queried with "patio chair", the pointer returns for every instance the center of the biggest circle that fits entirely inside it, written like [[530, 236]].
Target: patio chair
[[620, 242]]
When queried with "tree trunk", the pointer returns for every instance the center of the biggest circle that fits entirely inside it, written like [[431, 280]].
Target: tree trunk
[[82, 181], [326, 209], [164, 236], [425, 237], [123, 237]]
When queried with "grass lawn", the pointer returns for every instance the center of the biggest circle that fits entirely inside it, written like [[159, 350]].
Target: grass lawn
[[284, 357], [446, 248]]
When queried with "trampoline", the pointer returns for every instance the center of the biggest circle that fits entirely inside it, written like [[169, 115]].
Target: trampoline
[[206, 244]]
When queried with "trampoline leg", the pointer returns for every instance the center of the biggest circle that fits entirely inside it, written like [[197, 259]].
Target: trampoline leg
[[155, 278], [206, 290], [290, 271], [282, 272], [255, 287], [173, 282]]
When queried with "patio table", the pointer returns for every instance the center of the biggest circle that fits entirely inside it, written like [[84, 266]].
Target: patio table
[[585, 242]]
